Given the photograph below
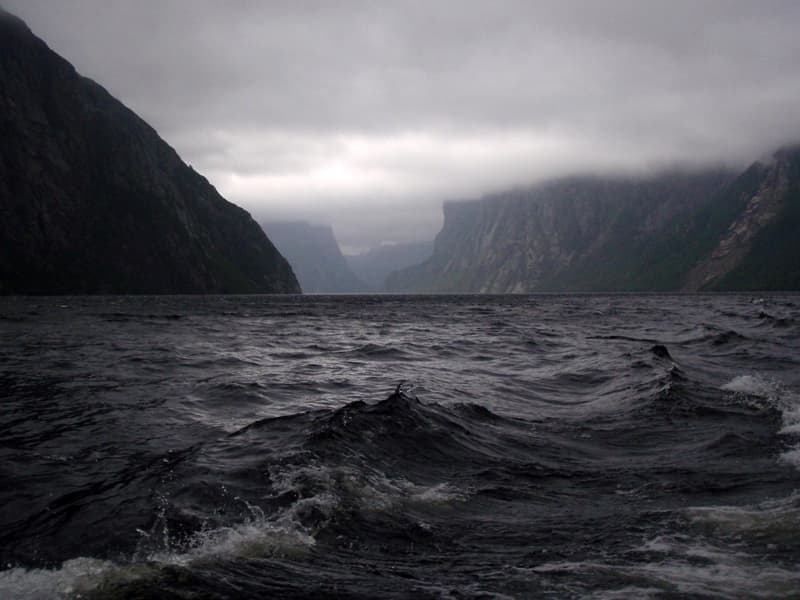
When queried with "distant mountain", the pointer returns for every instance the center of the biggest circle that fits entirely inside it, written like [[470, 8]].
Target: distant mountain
[[314, 254], [677, 231], [755, 226], [373, 266], [93, 201]]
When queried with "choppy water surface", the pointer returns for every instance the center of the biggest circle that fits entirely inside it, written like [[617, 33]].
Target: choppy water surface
[[543, 446]]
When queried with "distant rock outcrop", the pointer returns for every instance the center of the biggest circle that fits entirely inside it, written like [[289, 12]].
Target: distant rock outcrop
[[373, 266], [315, 256], [701, 231], [93, 201], [759, 247], [577, 234]]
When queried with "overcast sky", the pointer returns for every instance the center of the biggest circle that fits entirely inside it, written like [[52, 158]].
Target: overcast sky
[[367, 114]]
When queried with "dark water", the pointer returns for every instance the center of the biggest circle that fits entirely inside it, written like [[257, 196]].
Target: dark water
[[544, 446]]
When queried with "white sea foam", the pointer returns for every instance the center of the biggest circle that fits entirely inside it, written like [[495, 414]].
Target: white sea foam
[[791, 416], [756, 389], [752, 386], [438, 494], [287, 533], [253, 539], [320, 491], [628, 592], [688, 567], [74, 577], [369, 488], [791, 457], [769, 521], [82, 575], [258, 536]]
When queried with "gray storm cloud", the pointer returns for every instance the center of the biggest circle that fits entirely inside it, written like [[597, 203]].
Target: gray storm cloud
[[367, 115]]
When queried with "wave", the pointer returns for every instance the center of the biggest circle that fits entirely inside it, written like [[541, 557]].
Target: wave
[[778, 322], [398, 430], [760, 391], [73, 578], [124, 317], [680, 566], [316, 480], [275, 486], [775, 521], [380, 352]]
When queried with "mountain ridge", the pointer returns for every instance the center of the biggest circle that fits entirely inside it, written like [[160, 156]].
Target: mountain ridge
[[376, 264], [593, 234], [315, 257], [94, 201]]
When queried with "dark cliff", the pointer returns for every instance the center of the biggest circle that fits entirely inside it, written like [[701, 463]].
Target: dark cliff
[[93, 201], [579, 234], [677, 231], [315, 256], [755, 228]]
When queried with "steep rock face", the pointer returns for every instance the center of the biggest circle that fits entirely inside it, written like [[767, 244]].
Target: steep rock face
[[93, 201], [760, 248], [580, 234], [373, 266], [314, 254]]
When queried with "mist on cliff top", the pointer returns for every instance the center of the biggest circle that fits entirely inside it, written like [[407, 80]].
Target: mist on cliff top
[[366, 115]]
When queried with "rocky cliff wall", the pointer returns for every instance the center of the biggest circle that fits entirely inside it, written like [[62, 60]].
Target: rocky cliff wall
[[760, 247], [315, 256], [578, 234], [92, 200]]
